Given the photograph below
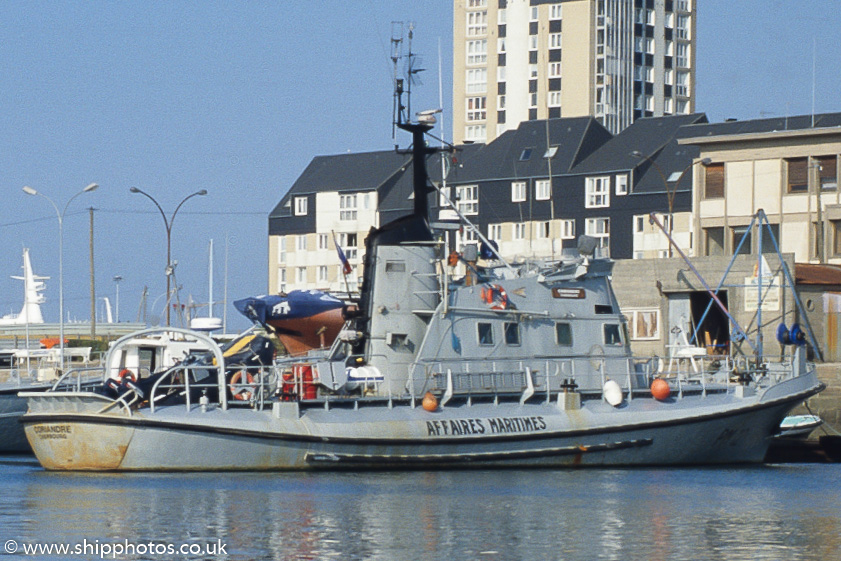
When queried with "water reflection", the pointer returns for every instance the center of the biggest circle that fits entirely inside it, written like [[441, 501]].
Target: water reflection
[[778, 512]]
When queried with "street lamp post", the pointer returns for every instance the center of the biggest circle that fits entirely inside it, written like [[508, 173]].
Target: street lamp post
[[30, 191], [117, 279], [670, 193], [168, 226]]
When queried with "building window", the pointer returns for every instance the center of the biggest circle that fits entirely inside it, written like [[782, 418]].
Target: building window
[[555, 69], [612, 335], [622, 184], [322, 273], [475, 133], [645, 324], [533, 14], [519, 231], [300, 206], [301, 244], [554, 40], [741, 235], [598, 228], [485, 333], [639, 224], [500, 102], [477, 3], [468, 199], [348, 245], [477, 23], [836, 237], [512, 333], [767, 242], [555, 11], [500, 45], [550, 153], [347, 207], [682, 27], [476, 108], [714, 181], [568, 229], [543, 230], [682, 57], [713, 241], [598, 192], [518, 191], [682, 85], [464, 237], [301, 275], [477, 52], [281, 249], [798, 175], [323, 241], [477, 80], [281, 281], [563, 334], [495, 232], [554, 99], [542, 190], [828, 172]]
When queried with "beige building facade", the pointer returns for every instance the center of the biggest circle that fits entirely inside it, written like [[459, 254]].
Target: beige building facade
[[617, 60], [789, 169]]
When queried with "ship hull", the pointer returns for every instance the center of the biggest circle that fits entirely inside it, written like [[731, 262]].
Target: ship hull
[[692, 430], [12, 407]]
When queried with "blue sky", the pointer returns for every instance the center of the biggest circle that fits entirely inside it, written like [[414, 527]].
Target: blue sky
[[238, 97]]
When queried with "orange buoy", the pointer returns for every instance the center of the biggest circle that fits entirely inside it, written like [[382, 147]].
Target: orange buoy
[[660, 389], [430, 403]]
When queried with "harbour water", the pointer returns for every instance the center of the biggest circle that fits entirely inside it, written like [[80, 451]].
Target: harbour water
[[790, 512]]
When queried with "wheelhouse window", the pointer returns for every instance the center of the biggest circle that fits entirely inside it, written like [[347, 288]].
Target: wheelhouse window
[[563, 334], [512, 333], [485, 333], [612, 335]]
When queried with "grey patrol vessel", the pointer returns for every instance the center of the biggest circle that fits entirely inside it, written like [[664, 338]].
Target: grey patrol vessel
[[520, 366]]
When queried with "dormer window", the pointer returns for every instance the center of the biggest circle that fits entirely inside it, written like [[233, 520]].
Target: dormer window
[[525, 154], [300, 206]]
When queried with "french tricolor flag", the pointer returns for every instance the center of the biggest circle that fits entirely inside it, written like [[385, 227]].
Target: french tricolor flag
[[346, 268]]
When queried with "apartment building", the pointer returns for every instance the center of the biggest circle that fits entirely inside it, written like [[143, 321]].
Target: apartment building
[[534, 191], [524, 60]]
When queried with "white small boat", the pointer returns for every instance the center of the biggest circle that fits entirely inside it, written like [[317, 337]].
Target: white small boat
[[799, 426]]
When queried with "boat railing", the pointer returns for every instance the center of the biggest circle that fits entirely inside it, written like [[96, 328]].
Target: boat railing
[[546, 375], [247, 385], [77, 378]]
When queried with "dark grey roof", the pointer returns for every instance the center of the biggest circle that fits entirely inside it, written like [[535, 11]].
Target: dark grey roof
[[365, 171], [654, 137], [504, 157], [776, 124]]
